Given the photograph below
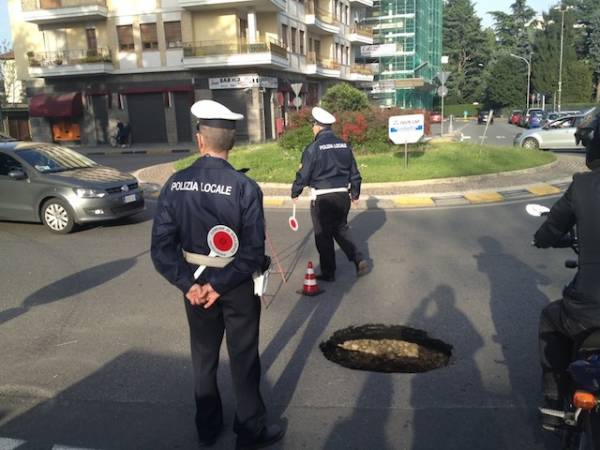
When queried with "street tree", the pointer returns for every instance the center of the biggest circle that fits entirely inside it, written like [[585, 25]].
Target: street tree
[[593, 42], [508, 84], [513, 29], [467, 48]]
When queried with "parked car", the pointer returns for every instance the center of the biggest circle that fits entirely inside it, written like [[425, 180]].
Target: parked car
[[482, 117], [559, 134], [536, 120], [62, 188], [515, 117], [435, 117], [525, 119]]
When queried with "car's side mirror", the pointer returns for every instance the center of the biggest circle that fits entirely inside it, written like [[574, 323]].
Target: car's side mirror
[[17, 174]]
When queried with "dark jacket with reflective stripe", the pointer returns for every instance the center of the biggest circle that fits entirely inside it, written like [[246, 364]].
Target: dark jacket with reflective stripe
[[208, 193], [580, 206], [327, 163]]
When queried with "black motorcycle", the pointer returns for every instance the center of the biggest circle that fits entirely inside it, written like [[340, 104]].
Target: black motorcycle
[[581, 415]]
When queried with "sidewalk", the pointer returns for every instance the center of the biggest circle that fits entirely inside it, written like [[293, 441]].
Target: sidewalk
[[548, 180]]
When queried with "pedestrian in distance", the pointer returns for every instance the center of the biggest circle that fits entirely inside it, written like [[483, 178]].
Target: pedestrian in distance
[[219, 293], [328, 167]]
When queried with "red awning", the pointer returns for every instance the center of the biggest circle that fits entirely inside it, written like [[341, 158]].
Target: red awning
[[63, 105]]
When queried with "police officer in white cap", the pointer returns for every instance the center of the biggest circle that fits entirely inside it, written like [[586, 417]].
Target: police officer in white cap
[[212, 195], [328, 167]]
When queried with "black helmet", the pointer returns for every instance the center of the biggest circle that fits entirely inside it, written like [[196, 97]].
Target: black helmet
[[588, 134]]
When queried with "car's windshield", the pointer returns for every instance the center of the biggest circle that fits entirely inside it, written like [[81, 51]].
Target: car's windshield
[[52, 158]]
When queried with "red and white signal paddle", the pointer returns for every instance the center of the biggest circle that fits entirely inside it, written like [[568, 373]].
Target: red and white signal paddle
[[292, 220], [222, 242]]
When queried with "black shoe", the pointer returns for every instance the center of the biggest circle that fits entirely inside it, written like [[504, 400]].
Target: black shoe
[[327, 278], [268, 436], [362, 268]]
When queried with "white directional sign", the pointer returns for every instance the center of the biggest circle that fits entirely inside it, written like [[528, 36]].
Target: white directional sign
[[373, 51], [407, 129]]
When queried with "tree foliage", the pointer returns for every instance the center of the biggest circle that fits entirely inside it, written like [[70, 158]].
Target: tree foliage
[[512, 30], [509, 83], [344, 97], [468, 50]]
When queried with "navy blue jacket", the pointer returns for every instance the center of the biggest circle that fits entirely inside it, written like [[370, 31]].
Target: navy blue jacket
[[327, 163], [580, 206], [210, 192]]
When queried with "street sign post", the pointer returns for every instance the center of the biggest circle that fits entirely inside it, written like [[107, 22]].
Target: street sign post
[[298, 102], [406, 130], [442, 92]]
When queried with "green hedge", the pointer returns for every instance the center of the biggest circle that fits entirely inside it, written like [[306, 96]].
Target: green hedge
[[458, 110]]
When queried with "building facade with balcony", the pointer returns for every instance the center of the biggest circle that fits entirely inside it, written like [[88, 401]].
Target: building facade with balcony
[[145, 62], [410, 35]]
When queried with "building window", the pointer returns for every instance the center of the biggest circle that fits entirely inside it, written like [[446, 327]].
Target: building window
[[337, 53], [92, 42], [348, 62], [335, 9], [149, 36], [317, 48], [347, 16], [301, 42], [243, 29], [173, 34], [293, 40], [284, 36], [125, 36]]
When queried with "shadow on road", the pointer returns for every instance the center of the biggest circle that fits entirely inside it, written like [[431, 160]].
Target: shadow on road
[[315, 314], [454, 426], [138, 400], [72, 285], [515, 305]]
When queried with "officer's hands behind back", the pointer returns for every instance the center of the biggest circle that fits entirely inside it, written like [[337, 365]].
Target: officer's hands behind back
[[199, 295]]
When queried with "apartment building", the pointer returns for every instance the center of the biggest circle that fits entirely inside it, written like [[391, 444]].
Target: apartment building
[[91, 63], [409, 35]]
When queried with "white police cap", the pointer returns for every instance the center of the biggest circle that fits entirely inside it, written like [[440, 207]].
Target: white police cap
[[322, 116], [209, 110]]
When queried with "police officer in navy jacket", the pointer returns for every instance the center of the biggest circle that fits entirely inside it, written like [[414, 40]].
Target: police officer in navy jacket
[[328, 167], [211, 193]]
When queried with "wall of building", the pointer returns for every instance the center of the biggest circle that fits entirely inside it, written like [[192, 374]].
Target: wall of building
[[215, 26]]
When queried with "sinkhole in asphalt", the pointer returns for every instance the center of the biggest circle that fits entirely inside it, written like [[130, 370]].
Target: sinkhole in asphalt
[[386, 348]]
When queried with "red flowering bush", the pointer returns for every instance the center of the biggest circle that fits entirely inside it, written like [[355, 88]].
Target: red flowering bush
[[366, 131]]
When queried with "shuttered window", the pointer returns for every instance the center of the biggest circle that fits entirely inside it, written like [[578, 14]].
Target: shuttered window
[[125, 36], [149, 36], [173, 34]]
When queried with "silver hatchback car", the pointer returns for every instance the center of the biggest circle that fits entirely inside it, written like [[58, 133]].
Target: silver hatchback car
[[62, 188], [559, 134]]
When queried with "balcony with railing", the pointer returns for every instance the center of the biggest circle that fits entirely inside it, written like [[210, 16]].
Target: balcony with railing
[[361, 72], [259, 5], [237, 53], [62, 11], [70, 62], [316, 65], [319, 20], [361, 34]]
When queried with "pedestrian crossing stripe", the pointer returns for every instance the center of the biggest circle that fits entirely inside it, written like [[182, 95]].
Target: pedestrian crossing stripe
[[14, 444], [10, 444]]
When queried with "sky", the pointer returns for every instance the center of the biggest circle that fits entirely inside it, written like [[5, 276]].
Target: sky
[[482, 6]]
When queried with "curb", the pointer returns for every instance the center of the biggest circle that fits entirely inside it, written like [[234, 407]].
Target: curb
[[185, 151], [419, 201]]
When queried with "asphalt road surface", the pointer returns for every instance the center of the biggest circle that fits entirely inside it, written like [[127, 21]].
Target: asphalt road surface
[[95, 350], [500, 133], [131, 163]]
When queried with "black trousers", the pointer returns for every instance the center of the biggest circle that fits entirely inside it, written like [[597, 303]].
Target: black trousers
[[558, 337], [238, 314], [329, 214]]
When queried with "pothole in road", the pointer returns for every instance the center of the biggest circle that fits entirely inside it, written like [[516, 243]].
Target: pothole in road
[[386, 348]]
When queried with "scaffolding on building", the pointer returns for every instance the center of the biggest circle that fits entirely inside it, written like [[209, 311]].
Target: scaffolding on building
[[406, 78]]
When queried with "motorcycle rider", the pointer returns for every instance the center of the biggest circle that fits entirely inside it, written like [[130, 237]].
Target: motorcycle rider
[[566, 323]]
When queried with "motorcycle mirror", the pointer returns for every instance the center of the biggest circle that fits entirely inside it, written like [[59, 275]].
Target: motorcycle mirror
[[537, 210]]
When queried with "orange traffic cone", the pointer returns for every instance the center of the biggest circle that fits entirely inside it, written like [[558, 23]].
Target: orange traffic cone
[[310, 286]]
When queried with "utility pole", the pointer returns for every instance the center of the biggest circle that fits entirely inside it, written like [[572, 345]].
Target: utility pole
[[562, 42]]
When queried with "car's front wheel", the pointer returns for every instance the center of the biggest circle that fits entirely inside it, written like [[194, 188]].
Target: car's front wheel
[[57, 216], [531, 143]]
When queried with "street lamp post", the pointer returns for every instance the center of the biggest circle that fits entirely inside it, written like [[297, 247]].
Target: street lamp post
[[563, 10], [528, 75]]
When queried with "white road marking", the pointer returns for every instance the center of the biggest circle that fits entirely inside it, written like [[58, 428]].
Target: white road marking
[[10, 444], [66, 447]]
